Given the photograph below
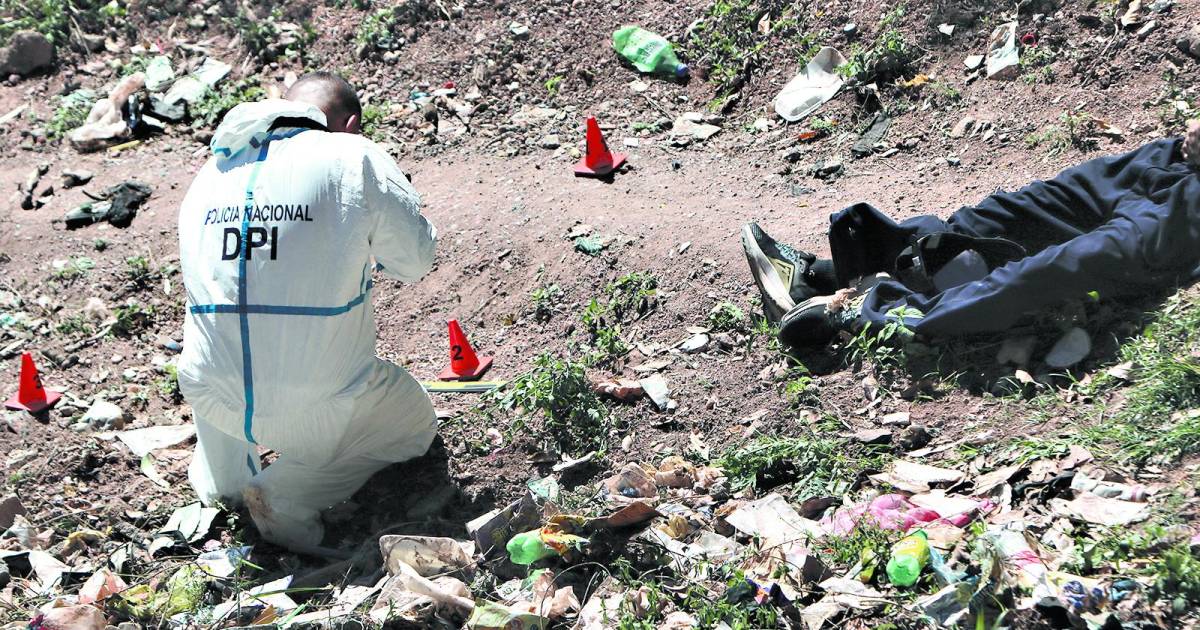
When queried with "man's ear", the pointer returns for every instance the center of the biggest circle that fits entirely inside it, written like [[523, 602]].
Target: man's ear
[[353, 124]]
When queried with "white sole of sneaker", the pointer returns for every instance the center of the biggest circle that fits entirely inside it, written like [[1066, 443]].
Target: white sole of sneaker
[[766, 277]]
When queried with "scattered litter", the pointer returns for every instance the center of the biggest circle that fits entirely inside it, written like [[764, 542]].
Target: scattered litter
[[632, 482], [874, 134], [117, 205], [648, 51], [1003, 57], [1098, 510], [147, 467], [144, 441], [105, 123], [223, 563], [775, 521], [13, 114], [915, 477], [428, 556], [695, 343], [807, 91], [187, 524], [494, 616], [656, 388]]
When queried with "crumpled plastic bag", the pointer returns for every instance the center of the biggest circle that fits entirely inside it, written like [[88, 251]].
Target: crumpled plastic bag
[[808, 90], [890, 511], [427, 555], [105, 122]]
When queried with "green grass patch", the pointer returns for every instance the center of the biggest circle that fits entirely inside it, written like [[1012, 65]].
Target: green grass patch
[[726, 316], [73, 268], [545, 299], [1036, 64], [554, 403], [57, 18], [1160, 415], [628, 298], [71, 112], [729, 40], [1073, 130], [732, 607], [74, 325], [132, 319], [272, 37], [887, 57], [812, 465], [217, 102]]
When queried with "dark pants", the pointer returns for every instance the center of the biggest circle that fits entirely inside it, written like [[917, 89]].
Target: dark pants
[[1120, 226]]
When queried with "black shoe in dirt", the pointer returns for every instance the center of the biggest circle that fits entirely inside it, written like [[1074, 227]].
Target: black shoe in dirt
[[781, 272], [810, 323]]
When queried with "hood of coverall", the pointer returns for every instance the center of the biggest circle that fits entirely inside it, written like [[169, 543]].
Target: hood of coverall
[[249, 124]]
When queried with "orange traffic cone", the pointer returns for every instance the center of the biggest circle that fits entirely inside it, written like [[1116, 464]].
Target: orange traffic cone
[[599, 161], [31, 396], [464, 365]]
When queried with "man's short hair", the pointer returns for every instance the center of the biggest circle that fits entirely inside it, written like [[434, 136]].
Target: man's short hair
[[336, 92]]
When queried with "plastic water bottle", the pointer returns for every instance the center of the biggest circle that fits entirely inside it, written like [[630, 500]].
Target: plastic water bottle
[[909, 556], [648, 51], [527, 548]]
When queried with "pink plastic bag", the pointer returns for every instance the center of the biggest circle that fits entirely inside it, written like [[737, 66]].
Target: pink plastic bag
[[895, 512], [890, 511]]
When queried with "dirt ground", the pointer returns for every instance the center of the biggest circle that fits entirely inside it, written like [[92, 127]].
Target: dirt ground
[[504, 205]]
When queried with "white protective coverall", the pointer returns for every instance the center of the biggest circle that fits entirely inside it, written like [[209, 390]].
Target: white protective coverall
[[277, 235]]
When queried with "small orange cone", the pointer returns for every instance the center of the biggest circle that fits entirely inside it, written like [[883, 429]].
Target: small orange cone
[[599, 161], [31, 396], [464, 365]]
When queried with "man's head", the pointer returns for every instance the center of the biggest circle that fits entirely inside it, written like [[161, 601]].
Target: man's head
[[333, 95]]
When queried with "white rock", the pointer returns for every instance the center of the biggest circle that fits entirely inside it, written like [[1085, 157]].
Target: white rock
[[104, 415], [1070, 349], [694, 344]]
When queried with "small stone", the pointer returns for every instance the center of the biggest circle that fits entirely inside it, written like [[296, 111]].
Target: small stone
[[116, 358], [26, 52], [103, 415], [953, 161], [697, 343], [962, 127], [550, 142], [73, 178], [828, 169], [873, 436], [1071, 348], [519, 31], [913, 437], [973, 62], [168, 343], [849, 29]]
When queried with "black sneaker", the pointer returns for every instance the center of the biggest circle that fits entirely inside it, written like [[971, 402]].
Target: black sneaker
[[780, 271], [810, 324]]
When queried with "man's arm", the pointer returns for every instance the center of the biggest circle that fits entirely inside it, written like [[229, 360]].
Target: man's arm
[[402, 240]]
